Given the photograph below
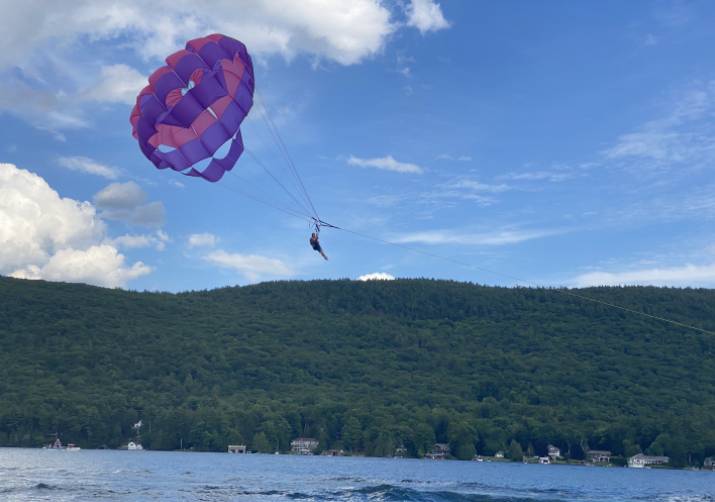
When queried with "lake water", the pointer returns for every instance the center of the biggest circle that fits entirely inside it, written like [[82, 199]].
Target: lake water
[[33, 474]]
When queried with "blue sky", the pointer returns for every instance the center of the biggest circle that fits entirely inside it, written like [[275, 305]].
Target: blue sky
[[561, 143]]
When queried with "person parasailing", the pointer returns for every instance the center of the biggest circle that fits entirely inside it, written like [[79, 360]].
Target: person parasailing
[[315, 242]]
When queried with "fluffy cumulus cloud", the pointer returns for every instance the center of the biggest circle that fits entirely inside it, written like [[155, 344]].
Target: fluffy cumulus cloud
[[54, 63], [102, 265], [89, 166], [377, 276], [387, 163], [127, 202], [250, 266], [201, 240], [682, 275], [45, 236], [426, 15], [346, 32]]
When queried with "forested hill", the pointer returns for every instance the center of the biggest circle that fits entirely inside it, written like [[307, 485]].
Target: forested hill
[[363, 366]]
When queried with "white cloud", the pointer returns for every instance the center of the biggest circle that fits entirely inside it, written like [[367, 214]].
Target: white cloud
[[45, 236], [252, 267], [477, 186], [120, 196], [202, 240], [51, 62], [152, 214], [683, 135], [87, 165], [45, 108], [346, 32], [426, 15], [685, 275], [157, 240], [126, 202], [388, 163], [118, 83], [101, 265], [377, 276], [498, 238]]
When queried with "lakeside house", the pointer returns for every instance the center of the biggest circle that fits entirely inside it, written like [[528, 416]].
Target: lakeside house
[[544, 460], [303, 446], [598, 456], [440, 451], [554, 453], [709, 463], [400, 452], [499, 455], [237, 448], [640, 460]]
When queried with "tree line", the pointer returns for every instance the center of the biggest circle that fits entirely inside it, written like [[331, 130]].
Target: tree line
[[367, 367]]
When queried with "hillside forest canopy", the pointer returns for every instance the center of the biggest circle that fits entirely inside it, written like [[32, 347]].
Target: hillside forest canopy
[[367, 367]]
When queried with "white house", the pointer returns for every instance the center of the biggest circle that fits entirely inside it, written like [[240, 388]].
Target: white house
[[303, 446], [440, 451], [598, 456], [640, 460], [554, 452]]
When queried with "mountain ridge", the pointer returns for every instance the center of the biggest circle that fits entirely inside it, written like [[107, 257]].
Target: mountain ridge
[[363, 366]]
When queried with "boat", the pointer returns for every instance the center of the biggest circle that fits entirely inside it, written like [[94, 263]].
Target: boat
[[72, 447], [134, 446], [54, 445]]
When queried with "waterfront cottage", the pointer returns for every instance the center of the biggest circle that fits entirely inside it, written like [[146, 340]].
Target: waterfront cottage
[[554, 453], [709, 463], [440, 451], [598, 456], [303, 446], [237, 448], [640, 460]]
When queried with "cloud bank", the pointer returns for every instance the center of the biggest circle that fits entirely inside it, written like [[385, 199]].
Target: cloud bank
[[45, 236]]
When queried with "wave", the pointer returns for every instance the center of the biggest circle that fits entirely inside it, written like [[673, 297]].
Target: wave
[[45, 486], [386, 492]]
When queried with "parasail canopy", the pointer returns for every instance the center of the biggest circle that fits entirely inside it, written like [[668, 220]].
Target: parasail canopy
[[194, 105]]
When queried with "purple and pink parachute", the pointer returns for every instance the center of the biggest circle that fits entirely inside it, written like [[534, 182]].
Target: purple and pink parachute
[[194, 105]]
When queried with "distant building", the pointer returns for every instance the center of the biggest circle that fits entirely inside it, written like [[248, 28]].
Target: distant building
[[554, 453], [598, 456], [499, 454], [709, 463], [56, 445], [303, 446], [639, 461], [237, 448], [544, 460], [400, 452], [333, 453], [440, 451]]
